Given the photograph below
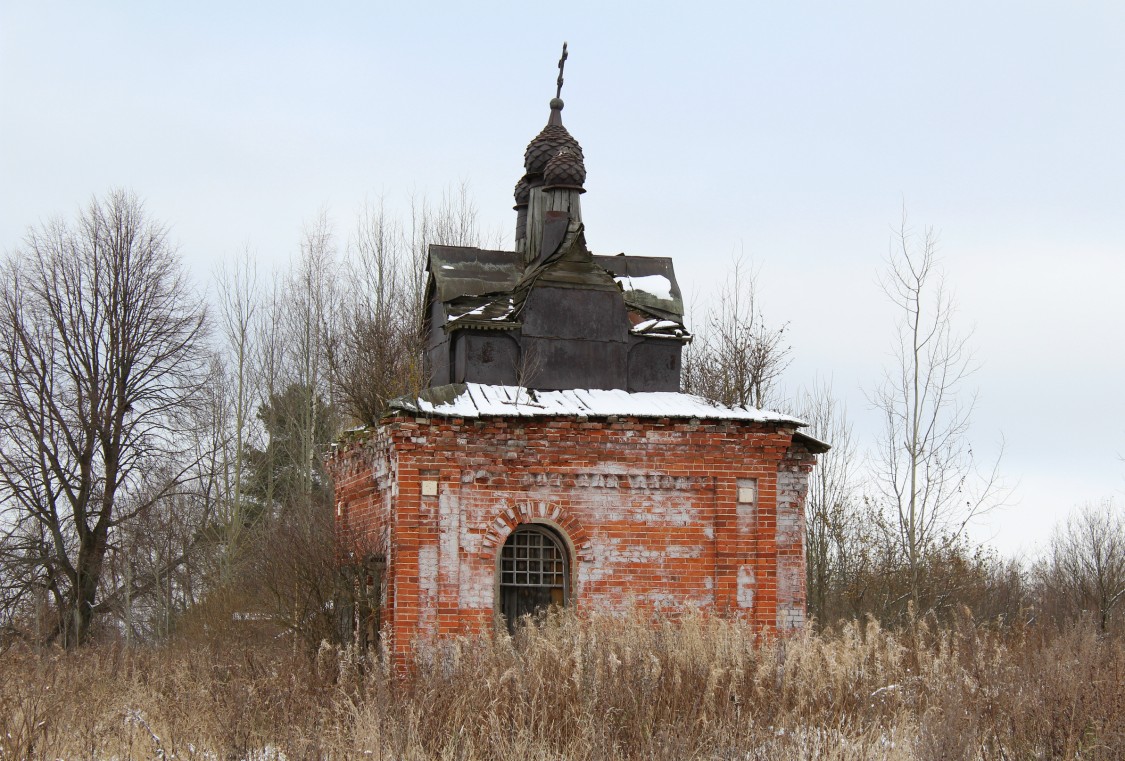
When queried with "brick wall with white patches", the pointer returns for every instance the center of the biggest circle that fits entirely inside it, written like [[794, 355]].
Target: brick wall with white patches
[[661, 514], [792, 488]]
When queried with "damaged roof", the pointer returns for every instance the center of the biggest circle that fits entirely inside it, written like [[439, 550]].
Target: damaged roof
[[470, 271], [649, 282], [474, 284]]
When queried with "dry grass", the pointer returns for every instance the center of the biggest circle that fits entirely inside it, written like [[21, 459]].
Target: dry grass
[[605, 688]]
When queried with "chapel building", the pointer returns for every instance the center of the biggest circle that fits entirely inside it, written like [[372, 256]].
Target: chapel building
[[553, 459]]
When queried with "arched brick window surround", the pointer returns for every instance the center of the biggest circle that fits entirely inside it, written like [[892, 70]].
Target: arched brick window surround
[[573, 533], [568, 528]]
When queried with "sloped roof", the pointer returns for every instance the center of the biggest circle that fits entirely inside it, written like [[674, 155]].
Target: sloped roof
[[475, 400], [470, 276], [492, 312], [649, 282], [470, 271]]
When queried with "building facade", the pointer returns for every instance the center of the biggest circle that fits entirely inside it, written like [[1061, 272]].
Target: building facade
[[553, 459]]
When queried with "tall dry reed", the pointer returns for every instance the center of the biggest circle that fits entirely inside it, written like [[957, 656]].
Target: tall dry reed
[[600, 688]]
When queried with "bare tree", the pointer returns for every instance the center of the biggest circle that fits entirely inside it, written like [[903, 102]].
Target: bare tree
[[834, 536], [737, 358], [312, 323], [334, 336], [101, 362], [284, 495], [1084, 571], [289, 563], [925, 470], [238, 307], [377, 351], [289, 336], [378, 354]]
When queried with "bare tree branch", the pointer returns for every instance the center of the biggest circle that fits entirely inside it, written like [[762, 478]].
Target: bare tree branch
[[925, 469], [737, 358], [100, 367]]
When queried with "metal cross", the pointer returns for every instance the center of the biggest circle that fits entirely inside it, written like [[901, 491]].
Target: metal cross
[[562, 62]]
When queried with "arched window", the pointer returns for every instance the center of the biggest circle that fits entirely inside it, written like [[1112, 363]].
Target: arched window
[[534, 572]]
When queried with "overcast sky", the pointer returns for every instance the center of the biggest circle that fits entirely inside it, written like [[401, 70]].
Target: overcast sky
[[793, 133]]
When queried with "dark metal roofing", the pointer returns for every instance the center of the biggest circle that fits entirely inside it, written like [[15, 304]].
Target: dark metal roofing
[[814, 445], [622, 266], [466, 278], [494, 312], [470, 271]]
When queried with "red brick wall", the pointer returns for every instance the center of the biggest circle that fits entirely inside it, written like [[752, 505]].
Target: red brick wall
[[649, 508]]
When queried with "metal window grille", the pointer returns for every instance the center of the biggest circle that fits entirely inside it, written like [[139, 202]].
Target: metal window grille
[[532, 558]]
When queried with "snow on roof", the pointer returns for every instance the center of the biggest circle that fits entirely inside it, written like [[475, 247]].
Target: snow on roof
[[497, 310], [472, 400], [656, 285], [660, 329]]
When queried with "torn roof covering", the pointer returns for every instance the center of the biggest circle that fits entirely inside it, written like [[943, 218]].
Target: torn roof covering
[[475, 285]]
